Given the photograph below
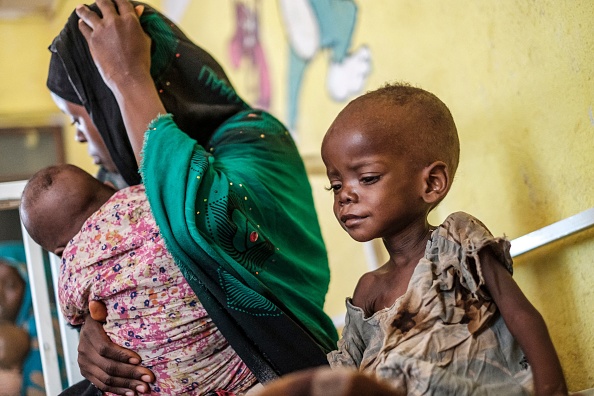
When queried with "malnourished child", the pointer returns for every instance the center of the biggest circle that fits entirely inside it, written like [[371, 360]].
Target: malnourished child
[[443, 315]]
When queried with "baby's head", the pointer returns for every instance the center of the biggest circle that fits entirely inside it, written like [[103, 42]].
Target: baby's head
[[14, 346], [57, 201], [394, 149]]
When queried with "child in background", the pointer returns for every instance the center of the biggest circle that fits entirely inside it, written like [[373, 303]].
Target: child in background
[[13, 290], [16, 308], [14, 347], [112, 251], [443, 315]]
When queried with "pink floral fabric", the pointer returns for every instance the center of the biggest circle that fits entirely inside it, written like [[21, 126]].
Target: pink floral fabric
[[119, 257]]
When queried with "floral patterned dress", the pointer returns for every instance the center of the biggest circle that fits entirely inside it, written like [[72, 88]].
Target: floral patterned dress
[[119, 257]]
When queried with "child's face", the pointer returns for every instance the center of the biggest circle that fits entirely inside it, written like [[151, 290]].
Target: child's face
[[375, 187], [12, 289]]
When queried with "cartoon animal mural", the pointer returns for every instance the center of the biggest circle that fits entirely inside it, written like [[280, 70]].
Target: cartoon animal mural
[[311, 26], [316, 25], [245, 44]]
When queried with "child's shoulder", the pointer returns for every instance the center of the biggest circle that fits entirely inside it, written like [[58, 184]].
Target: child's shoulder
[[473, 236], [365, 284], [365, 291], [463, 225], [130, 192], [367, 280], [464, 219]]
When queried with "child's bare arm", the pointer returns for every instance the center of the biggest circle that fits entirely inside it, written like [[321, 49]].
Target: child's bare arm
[[526, 325]]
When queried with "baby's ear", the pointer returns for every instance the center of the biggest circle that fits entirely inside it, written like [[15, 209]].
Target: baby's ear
[[436, 179]]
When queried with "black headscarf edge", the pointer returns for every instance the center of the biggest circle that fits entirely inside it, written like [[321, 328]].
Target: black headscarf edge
[[198, 107]]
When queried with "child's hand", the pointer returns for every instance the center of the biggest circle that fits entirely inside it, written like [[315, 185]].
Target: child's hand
[[98, 311], [139, 10]]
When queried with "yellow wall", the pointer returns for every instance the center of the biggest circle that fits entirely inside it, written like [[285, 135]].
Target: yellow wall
[[24, 60], [518, 78]]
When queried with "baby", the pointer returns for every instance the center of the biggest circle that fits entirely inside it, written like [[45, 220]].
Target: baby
[[443, 315], [112, 251], [14, 347]]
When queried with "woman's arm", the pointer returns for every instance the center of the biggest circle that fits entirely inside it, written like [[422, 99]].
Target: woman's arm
[[121, 51], [526, 324]]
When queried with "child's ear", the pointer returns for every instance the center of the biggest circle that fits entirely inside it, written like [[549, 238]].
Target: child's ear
[[436, 179]]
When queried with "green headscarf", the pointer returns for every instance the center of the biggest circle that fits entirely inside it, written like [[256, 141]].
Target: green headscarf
[[230, 195]]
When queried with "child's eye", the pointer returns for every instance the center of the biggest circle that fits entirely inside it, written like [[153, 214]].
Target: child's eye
[[334, 187], [369, 179]]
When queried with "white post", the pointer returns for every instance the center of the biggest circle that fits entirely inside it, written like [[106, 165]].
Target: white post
[[69, 335], [43, 316]]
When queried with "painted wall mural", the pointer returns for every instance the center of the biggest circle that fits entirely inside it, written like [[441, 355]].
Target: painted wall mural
[[245, 46], [313, 26]]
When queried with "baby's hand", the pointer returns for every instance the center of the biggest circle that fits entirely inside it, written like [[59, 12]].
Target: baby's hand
[[98, 311]]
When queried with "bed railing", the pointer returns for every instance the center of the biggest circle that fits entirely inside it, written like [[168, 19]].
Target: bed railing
[[553, 232]]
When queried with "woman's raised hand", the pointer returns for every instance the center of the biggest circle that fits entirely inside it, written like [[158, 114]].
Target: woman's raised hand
[[119, 46], [122, 52]]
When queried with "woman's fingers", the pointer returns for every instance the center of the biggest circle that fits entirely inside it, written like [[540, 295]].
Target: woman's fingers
[[114, 390], [107, 8], [108, 366], [90, 18], [85, 29], [124, 6], [119, 46]]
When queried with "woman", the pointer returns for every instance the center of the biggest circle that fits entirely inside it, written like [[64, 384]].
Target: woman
[[229, 193], [16, 307]]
